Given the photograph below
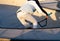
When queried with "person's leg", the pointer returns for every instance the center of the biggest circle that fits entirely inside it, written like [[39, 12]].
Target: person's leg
[[21, 18], [31, 19]]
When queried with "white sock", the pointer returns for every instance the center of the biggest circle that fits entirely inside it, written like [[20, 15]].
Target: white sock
[[34, 25]]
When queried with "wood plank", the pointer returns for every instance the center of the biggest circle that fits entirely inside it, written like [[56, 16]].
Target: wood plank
[[4, 39]]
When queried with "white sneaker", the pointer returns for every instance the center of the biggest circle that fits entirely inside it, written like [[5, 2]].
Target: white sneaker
[[35, 26]]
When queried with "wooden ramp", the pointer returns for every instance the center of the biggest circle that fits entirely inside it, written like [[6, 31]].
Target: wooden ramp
[[4, 39], [8, 18]]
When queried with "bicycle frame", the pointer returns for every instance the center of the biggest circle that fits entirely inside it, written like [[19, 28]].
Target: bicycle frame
[[43, 21]]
